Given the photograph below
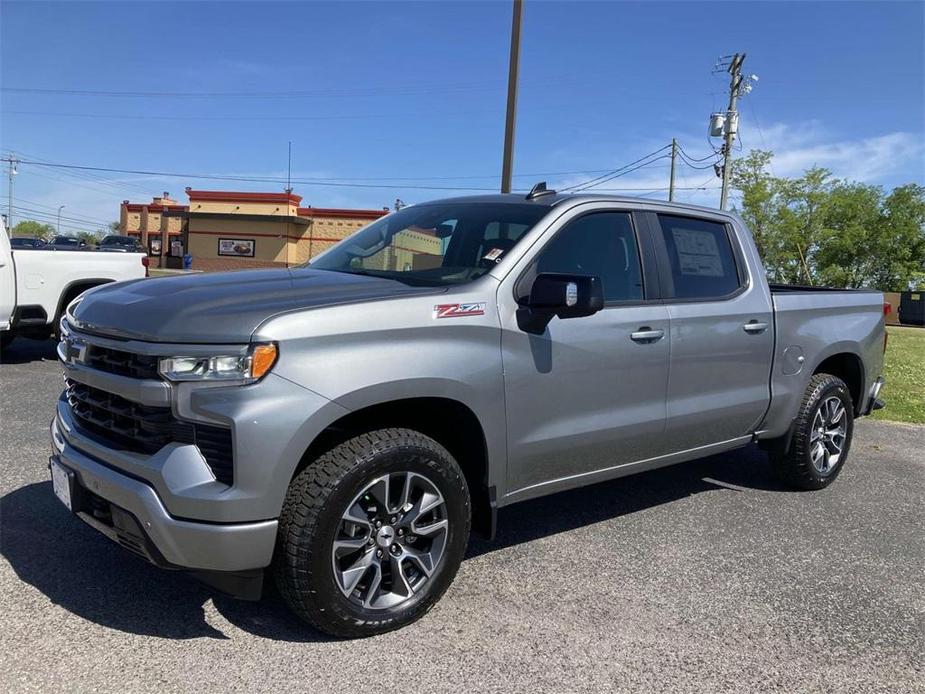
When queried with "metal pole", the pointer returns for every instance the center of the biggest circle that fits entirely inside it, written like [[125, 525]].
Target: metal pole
[[674, 152], [60, 207], [735, 69], [507, 165], [9, 211]]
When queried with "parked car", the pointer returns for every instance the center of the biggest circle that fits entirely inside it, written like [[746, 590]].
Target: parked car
[[347, 421], [68, 243], [27, 242], [122, 244], [36, 284]]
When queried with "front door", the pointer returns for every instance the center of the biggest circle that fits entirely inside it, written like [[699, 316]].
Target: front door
[[589, 394]]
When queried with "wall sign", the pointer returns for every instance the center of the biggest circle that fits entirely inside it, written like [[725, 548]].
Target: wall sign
[[243, 248]]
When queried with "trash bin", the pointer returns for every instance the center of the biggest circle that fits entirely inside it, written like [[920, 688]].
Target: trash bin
[[187, 261], [912, 308]]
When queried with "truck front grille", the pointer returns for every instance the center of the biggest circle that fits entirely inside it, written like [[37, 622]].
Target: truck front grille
[[115, 361], [122, 424]]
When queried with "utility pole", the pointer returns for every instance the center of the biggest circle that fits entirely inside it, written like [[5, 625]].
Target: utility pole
[[60, 207], [674, 153], [9, 212], [731, 124], [507, 165]]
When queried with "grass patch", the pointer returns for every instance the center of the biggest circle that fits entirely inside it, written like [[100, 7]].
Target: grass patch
[[904, 391]]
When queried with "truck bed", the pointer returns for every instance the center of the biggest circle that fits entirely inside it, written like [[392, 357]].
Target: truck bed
[[814, 323]]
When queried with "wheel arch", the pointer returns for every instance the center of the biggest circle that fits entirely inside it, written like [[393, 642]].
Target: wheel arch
[[450, 422], [849, 367]]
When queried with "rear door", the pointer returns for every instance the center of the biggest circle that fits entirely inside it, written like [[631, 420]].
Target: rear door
[[722, 335], [589, 394]]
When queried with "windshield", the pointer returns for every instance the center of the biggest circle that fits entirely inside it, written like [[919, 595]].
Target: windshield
[[437, 244]]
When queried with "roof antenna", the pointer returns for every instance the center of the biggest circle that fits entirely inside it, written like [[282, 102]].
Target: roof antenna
[[539, 190]]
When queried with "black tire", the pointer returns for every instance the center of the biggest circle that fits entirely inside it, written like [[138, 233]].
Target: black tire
[[794, 466], [311, 519], [6, 337]]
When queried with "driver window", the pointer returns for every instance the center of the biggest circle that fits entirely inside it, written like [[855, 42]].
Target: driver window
[[602, 244]]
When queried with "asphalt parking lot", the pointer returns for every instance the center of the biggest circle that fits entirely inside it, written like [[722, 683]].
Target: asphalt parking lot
[[705, 577]]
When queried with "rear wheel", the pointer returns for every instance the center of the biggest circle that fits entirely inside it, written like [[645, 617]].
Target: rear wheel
[[6, 337], [372, 533], [821, 437]]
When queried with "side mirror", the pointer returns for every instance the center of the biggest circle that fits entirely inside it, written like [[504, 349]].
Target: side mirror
[[562, 295]]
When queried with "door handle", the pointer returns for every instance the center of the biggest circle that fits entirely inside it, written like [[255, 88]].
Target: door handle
[[754, 327], [647, 334]]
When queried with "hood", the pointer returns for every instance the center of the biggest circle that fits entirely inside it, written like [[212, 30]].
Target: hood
[[223, 307]]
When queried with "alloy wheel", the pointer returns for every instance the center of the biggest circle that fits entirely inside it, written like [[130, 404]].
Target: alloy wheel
[[390, 540], [829, 432]]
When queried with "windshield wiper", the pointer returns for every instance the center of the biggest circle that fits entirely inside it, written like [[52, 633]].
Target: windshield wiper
[[396, 277]]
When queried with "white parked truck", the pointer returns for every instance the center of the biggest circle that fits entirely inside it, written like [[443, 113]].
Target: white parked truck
[[36, 285]]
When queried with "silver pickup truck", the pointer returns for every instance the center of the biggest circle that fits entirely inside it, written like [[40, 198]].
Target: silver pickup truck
[[345, 423]]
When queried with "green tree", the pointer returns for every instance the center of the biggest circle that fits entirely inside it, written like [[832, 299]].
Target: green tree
[[819, 229], [903, 220], [34, 229], [91, 238]]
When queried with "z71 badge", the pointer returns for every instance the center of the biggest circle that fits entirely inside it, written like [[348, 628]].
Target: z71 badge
[[459, 310]]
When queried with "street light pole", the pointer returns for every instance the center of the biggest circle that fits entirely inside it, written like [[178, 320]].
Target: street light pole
[[507, 164], [60, 207]]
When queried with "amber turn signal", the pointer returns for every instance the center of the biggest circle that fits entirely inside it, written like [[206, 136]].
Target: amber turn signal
[[262, 360]]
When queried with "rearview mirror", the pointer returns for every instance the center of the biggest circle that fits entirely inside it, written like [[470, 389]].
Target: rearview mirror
[[562, 295]]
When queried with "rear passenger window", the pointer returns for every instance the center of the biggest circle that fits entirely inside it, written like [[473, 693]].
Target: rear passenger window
[[601, 244], [702, 262]]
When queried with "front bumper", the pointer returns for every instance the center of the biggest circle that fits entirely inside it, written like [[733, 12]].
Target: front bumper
[[137, 519]]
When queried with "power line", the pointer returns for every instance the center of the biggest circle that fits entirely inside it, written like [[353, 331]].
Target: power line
[[145, 117], [54, 215], [53, 209], [385, 89], [696, 159], [609, 175], [310, 179], [624, 172], [317, 182], [696, 166], [50, 221], [606, 176], [121, 186]]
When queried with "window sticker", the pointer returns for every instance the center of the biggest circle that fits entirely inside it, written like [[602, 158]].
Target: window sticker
[[697, 252], [494, 254]]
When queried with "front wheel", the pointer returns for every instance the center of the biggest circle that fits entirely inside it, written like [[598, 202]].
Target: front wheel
[[372, 533], [822, 435], [6, 337]]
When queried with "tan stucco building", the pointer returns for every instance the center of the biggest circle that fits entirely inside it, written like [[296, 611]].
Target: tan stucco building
[[152, 221], [228, 230]]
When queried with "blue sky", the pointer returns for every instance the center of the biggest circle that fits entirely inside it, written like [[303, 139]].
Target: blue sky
[[391, 91]]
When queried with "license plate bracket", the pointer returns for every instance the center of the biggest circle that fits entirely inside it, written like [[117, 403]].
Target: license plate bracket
[[62, 482]]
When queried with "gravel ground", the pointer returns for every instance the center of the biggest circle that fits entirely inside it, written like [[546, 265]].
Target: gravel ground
[[705, 577]]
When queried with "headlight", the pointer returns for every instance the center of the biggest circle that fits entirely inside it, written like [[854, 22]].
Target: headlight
[[245, 368]]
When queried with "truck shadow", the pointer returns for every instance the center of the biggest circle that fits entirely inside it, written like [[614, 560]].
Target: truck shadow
[[87, 575], [23, 350], [740, 470]]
